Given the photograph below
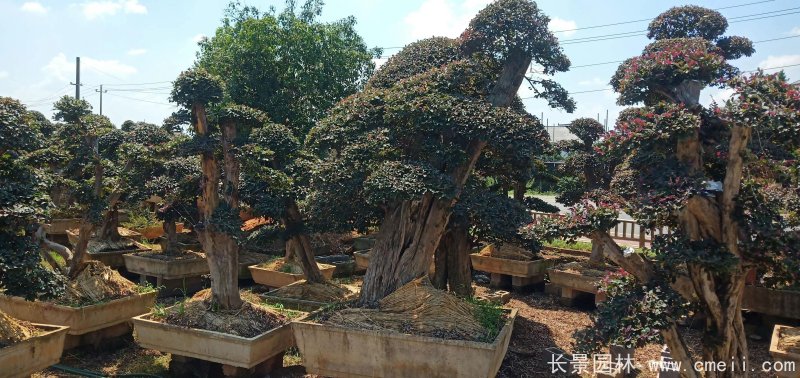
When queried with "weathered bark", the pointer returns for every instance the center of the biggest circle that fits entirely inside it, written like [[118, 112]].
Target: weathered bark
[[221, 250], [596, 258], [80, 256], [519, 190], [411, 230], [232, 166], [169, 243], [453, 270], [109, 229], [298, 247]]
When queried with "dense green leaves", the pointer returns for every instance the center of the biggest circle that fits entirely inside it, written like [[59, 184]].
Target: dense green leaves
[[23, 205], [196, 86]]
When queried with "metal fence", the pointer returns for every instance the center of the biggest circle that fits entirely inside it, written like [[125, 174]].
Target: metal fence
[[627, 230]]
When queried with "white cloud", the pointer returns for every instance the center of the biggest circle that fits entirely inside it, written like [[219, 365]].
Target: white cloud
[[442, 18], [135, 52], [99, 9], [64, 69], [558, 24], [379, 62], [199, 37], [33, 7], [795, 30], [774, 61], [3, 74]]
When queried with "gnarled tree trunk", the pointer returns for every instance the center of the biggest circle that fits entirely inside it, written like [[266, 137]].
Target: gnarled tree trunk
[[298, 247], [220, 248], [453, 269], [410, 232], [169, 243]]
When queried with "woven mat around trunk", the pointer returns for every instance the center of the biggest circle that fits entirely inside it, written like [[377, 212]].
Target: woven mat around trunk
[[416, 308]]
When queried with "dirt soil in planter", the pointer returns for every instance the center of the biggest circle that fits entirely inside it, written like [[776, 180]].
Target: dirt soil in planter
[[318, 292], [416, 308], [96, 283], [280, 265], [187, 255], [106, 246], [13, 331], [790, 340], [508, 251], [585, 269], [252, 319]]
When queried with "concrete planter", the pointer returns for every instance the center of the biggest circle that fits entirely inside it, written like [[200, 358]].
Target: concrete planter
[[509, 267], [567, 251], [165, 269], [345, 265], [246, 259], [783, 357], [113, 259], [363, 242], [37, 353], [783, 303], [60, 226], [80, 320], [212, 346], [362, 259], [515, 273], [572, 283], [344, 352], [274, 278]]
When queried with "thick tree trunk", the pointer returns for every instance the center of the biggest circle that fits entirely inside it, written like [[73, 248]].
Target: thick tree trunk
[[169, 244], [519, 191], [596, 258], [109, 229], [453, 270], [411, 230], [298, 247], [220, 248], [80, 257]]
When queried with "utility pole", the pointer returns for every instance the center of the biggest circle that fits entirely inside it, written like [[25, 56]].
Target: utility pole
[[101, 91], [77, 82]]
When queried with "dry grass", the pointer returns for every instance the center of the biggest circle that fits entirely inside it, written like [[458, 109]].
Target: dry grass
[[13, 331], [96, 283], [250, 320], [507, 251], [790, 340], [319, 292]]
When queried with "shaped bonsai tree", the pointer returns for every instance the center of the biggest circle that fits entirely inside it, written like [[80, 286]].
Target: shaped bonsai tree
[[583, 169], [23, 206], [409, 149], [699, 172], [219, 223], [329, 61]]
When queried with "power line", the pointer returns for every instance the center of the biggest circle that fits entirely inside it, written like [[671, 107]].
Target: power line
[[651, 18], [139, 99], [610, 89]]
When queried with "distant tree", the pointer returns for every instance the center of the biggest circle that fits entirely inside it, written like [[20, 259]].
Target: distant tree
[[409, 149], [583, 168], [287, 64], [292, 68], [23, 206]]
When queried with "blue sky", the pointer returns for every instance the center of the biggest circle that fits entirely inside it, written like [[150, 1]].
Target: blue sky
[[135, 47]]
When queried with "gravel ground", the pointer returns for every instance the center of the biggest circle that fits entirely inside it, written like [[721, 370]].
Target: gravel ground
[[541, 323]]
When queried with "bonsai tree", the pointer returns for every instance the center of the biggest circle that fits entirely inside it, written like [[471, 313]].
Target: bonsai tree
[[583, 170], [83, 170], [697, 171], [23, 206], [329, 61], [219, 222], [416, 143]]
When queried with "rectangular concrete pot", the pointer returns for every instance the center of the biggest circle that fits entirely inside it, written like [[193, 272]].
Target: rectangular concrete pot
[[343, 352], [246, 259], [782, 356], [165, 269], [362, 259], [72, 234], [363, 242], [567, 251], [274, 278], [345, 265], [212, 346], [34, 354], [510, 267], [573, 281], [80, 320], [60, 226], [783, 303]]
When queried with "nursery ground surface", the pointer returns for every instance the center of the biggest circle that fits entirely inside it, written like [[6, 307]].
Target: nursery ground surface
[[541, 323]]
